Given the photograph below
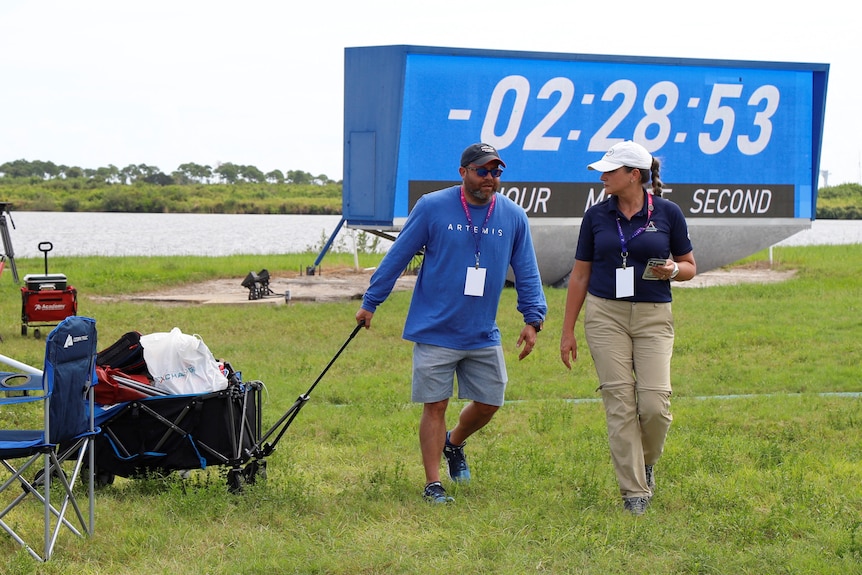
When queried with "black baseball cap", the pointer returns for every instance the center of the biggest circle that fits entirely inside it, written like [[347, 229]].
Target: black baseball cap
[[479, 155]]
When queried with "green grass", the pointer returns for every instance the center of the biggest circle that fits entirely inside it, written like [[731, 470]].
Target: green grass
[[760, 475]]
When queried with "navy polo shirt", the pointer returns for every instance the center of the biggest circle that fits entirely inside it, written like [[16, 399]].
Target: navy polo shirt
[[599, 243]]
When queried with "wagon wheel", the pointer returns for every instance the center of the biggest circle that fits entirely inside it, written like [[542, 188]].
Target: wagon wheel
[[103, 478], [254, 471], [38, 480], [235, 480]]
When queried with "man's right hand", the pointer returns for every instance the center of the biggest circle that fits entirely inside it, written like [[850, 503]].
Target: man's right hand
[[363, 315]]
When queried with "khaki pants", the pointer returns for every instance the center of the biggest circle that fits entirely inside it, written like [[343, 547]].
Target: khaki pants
[[631, 344]]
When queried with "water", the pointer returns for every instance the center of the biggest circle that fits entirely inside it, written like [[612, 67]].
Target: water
[[119, 234], [827, 232]]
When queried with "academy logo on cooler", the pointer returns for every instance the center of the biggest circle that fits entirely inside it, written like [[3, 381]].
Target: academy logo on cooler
[[49, 307]]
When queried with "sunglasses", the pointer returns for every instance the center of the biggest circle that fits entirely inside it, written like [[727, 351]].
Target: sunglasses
[[482, 172]]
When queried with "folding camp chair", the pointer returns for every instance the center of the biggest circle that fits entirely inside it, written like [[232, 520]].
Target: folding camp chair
[[56, 451]]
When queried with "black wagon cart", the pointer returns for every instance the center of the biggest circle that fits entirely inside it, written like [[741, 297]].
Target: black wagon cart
[[46, 299], [161, 434], [147, 433]]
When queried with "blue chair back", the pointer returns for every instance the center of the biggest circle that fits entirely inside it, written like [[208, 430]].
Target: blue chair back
[[69, 371]]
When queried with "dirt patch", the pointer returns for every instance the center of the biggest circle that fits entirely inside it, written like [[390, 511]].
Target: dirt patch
[[349, 284], [755, 273], [284, 287]]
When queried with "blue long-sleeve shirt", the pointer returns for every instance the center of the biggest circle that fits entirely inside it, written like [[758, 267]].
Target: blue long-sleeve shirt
[[440, 314]]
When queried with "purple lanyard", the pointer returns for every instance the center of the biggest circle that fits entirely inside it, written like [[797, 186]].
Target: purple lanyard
[[477, 234], [637, 232]]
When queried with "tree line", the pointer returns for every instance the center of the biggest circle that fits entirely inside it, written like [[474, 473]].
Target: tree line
[[186, 174], [228, 188], [841, 202]]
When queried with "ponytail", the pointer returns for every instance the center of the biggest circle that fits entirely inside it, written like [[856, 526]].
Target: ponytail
[[652, 174], [655, 177]]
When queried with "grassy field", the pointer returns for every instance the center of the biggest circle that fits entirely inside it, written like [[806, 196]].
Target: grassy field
[[761, 474]]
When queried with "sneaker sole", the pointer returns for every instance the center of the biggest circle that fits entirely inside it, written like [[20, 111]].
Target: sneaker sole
[[460, 479]]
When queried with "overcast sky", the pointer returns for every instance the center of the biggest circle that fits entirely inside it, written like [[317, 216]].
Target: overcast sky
[[96, 82]]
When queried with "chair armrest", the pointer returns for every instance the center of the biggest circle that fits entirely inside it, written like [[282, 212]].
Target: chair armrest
[[20, 382]]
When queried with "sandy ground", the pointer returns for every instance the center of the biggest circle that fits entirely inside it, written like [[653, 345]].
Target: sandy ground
[[349, 284], [328, 285], [740, 275]]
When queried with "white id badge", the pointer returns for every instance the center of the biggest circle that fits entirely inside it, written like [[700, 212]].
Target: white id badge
[[475, 284], [625, 282]]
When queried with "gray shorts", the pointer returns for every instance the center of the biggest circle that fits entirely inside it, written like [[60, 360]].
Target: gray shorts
[[481, 374]]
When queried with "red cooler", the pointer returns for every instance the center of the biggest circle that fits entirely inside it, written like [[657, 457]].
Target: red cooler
[[46, 299]]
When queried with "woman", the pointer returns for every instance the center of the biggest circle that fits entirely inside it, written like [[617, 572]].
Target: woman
[[630, 247]]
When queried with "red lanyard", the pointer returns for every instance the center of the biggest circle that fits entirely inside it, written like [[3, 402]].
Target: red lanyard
[[637, 232], [477, 233]]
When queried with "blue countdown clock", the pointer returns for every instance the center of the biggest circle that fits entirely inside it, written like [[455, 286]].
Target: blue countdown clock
[[739, 141]]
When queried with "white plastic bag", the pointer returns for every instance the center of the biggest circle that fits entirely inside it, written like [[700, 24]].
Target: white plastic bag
[[180, 363]]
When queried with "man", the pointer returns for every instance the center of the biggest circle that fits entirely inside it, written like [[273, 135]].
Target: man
[[470, 236]]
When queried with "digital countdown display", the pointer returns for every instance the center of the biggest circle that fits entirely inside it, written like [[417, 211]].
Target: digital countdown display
[[737, 139]]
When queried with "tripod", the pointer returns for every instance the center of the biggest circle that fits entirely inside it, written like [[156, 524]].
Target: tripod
[[9, 253]]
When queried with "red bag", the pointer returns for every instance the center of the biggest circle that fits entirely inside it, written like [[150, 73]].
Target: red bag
[[112, 390]]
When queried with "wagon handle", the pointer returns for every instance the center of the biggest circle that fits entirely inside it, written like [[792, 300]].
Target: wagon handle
[[46, 247], [284, 422]]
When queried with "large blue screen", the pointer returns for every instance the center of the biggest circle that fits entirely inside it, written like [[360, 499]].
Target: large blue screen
[[736, 139]]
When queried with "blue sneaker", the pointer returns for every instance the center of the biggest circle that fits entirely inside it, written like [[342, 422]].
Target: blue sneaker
[[434, 493], [457, 461]]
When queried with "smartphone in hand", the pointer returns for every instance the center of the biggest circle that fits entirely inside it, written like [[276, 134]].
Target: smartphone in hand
[[653, 263]]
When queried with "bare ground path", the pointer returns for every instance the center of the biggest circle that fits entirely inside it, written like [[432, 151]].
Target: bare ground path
[[349, 284]]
